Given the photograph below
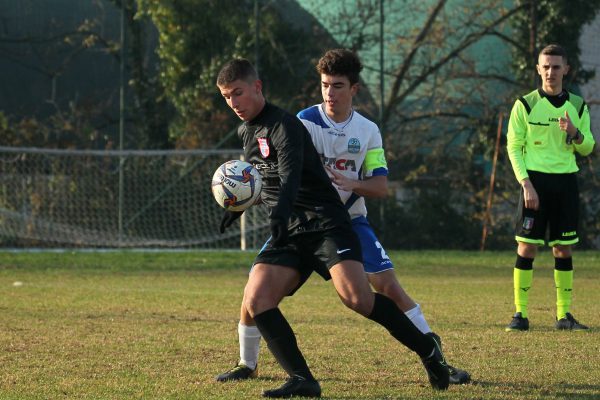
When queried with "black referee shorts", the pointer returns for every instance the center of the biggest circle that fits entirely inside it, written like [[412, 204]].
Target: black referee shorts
[[557, 215]]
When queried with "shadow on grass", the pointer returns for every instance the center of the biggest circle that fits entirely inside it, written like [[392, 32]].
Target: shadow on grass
[[558, 391], [538, 328]]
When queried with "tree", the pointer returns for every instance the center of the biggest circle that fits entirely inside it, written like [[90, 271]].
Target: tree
[[442, 60], [550, 21], [447, 77], [67, 94], [198, 36], [150, 111]]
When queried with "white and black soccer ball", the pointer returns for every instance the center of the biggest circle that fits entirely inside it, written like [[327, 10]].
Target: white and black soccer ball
[[236, 185]]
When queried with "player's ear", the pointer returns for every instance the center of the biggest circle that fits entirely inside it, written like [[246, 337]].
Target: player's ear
[[354, 89], [258, 86], [567, 67]]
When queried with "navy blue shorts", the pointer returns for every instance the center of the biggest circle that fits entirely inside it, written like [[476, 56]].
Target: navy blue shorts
[[375, 259]]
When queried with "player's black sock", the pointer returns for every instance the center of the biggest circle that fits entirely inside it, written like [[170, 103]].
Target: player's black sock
[[386, 313], [281, 340]]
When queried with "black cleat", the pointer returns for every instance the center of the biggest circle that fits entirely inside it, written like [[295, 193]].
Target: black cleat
[[570, 324], [457, 376], [295, 386], [238, 373], [518, 323], [436, 367]]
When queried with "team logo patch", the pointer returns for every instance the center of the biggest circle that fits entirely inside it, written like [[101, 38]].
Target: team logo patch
[[527, 223], [263, 145], [353, 145]]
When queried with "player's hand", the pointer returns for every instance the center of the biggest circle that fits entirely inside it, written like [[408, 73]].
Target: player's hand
[[279, 232], [532, 201], [341, 181], [228, 218], [565, 125]]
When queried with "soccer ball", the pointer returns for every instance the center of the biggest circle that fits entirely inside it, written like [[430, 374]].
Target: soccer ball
[[236, 185]]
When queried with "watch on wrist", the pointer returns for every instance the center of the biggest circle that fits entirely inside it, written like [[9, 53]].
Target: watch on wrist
[[575, 137]]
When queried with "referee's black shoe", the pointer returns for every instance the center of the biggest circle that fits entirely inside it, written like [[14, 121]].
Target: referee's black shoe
[[436, 367], [518, 323], [569, 323], [457, 376], [295, 386]]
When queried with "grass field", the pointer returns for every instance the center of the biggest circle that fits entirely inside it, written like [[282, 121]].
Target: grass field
[[130, 325]]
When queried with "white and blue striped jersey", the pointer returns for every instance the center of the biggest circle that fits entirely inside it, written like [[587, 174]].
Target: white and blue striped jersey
[[347, 148]]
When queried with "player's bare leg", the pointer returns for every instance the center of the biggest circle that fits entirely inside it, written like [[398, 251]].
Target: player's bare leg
[[386, 283], [267, 286], [353, 288]]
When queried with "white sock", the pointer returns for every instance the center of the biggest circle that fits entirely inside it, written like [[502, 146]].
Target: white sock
[[249, 345], [417, 318]]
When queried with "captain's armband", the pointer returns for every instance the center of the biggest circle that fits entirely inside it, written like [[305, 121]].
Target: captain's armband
[[374, 159]]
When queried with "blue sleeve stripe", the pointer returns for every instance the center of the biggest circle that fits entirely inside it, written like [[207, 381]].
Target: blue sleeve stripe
[[380, 172], [312, 114]]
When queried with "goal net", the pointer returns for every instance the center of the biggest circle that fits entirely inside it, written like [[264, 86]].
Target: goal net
[[118, 199]]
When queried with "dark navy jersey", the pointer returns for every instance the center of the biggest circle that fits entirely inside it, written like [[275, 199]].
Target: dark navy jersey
[[294, 180]]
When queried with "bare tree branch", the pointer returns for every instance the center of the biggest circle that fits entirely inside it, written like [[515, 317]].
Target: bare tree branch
[[411, 55], [396, 97], [510, 40]]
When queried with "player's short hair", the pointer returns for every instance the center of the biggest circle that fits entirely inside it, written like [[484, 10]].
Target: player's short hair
[[340, 62], [555, 50], [236, 69]]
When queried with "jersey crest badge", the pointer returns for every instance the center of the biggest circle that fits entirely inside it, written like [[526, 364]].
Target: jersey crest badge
[[263, 145], [353, 146], [527, 224]]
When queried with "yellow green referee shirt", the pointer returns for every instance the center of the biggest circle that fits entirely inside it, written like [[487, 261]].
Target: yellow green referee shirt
[[535, 141]]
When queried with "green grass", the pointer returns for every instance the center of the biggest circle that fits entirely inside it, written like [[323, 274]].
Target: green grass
[[132, 325]]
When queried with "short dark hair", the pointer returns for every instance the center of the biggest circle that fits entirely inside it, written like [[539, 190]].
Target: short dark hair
[[555, 50], [238, 68], [340, 62]]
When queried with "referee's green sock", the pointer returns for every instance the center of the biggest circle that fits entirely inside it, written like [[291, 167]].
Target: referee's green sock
[[563, 279], [522, 278]]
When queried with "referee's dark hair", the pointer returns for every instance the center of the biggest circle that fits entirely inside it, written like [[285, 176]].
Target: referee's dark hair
[[555, 50], [238, 68]]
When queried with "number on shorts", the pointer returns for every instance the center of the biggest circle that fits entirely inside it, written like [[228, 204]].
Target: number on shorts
[[380, 247]]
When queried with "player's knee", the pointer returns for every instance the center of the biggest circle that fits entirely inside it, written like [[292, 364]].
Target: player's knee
[[360, 304], [527, 250], [255, 303], [245, 316], [561, 251], [387, 289]]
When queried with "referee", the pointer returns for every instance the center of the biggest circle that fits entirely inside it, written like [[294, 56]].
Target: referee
[[546, 128]]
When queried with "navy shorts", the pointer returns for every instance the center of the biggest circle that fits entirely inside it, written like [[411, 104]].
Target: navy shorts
[[375, 259]]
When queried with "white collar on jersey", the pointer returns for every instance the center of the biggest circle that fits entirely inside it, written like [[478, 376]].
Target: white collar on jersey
[[338, 125]]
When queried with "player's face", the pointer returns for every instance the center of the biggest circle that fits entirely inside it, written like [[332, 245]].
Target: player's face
[[337, 96], [552, 69], [244, 98]]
